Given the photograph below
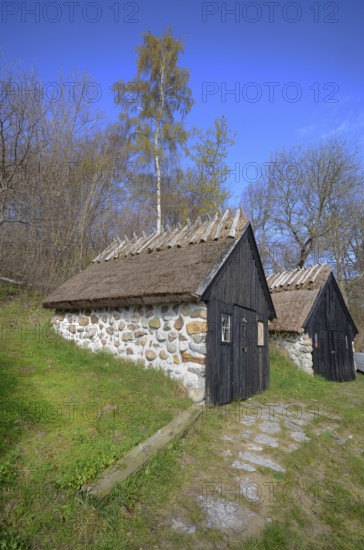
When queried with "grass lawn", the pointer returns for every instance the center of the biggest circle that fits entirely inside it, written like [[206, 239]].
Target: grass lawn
[[67, 413]]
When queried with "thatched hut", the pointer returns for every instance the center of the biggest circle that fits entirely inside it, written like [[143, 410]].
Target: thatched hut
[[193, 301], [313, 322]]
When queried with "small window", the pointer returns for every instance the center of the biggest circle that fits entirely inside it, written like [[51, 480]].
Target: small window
[[346, 341], [225, 328], [315, 340], [260, 339]]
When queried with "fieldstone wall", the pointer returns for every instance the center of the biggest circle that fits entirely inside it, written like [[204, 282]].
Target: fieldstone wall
[[299, 348], [171, 337]]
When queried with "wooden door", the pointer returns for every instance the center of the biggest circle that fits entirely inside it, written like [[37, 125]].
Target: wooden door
[[332, 356], [342, 365], [335, 354], [245, 381], [233, 366]]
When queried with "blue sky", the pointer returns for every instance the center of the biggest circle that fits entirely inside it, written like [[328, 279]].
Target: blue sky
[[296, 67]]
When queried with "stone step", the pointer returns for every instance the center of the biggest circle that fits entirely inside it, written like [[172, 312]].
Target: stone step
[[261, 461], [243, 466], [265, 439]]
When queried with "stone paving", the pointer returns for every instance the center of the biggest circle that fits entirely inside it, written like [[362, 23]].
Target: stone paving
[[277, 427], [223, 515], [261, 461], [268, 425], [252, 457]]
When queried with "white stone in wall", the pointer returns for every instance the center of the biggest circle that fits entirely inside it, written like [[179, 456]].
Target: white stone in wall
[[198, 348], [183, 345], [299, 348], [161, 336]]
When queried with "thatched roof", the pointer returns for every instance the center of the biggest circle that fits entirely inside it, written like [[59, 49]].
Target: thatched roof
[[174, 265], [294, 294], [305, 278], [292, 309]]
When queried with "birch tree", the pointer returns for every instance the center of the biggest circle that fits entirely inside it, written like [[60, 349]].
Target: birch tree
[[154, 105]]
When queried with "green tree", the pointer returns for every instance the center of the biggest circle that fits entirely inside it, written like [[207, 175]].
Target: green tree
[[154, 105], [205, 180]]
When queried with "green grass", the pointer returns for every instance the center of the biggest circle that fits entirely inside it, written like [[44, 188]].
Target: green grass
[[59, 429], [66, 414]]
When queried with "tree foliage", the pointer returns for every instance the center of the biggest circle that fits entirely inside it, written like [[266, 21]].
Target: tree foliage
[[205, 180], [154, 105]]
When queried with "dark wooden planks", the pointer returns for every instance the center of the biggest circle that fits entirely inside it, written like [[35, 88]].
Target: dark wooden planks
[[333, 358], [232, 372]]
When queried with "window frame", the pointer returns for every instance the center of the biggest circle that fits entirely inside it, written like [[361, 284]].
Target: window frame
[[224, 330], [315, 340], [260, 335]]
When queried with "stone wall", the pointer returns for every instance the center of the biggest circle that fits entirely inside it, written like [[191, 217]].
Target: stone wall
[[299, 348], [171, 337]]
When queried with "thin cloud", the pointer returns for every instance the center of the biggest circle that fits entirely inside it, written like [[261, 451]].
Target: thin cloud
[[351, 125], [305, 131]]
